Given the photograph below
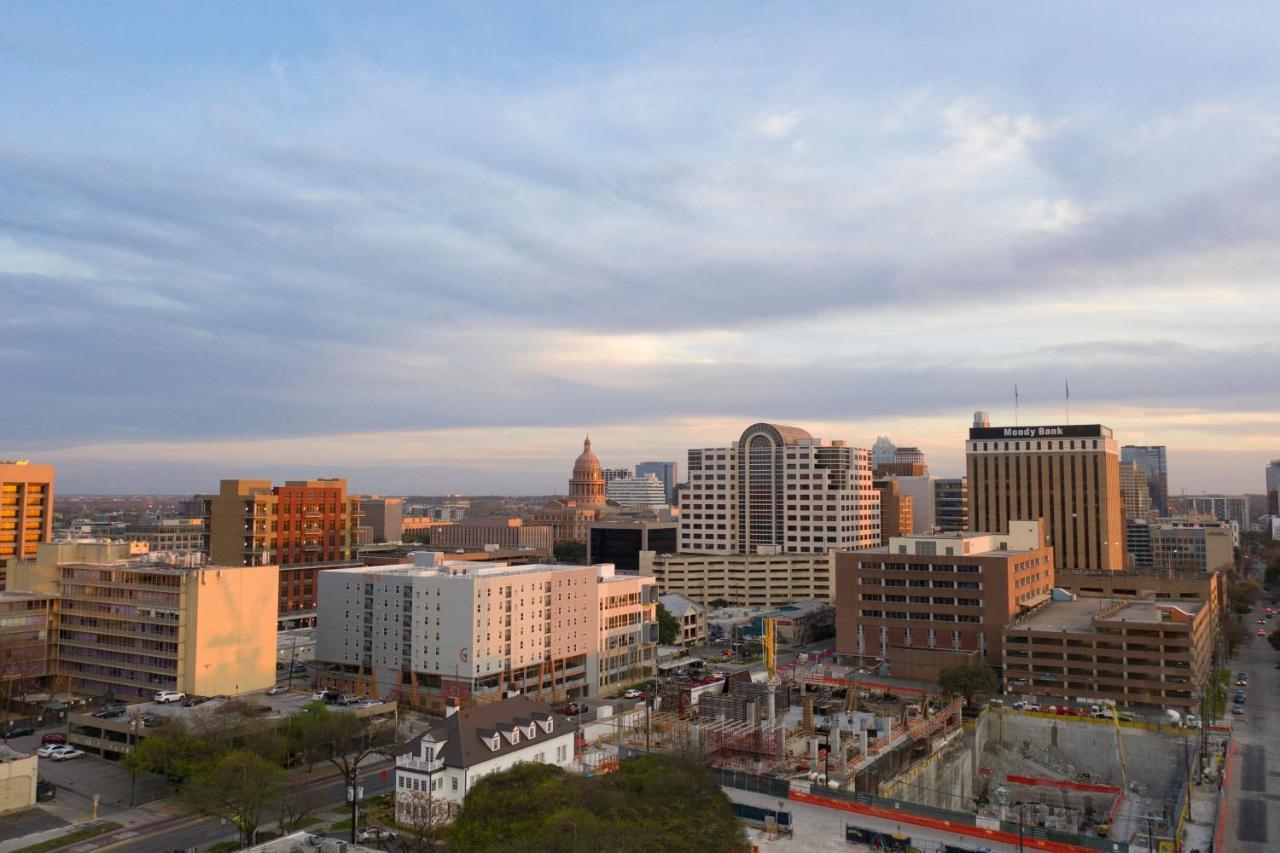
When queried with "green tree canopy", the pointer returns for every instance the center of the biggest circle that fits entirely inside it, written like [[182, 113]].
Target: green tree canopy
[[239, 786], [668, 626], [969, 681], [652, 802], [571, 551]]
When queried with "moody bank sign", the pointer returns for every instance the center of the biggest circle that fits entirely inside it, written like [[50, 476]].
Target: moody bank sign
[[1055, 431]]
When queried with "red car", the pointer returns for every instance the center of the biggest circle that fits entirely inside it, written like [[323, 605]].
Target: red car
[[52, 738]]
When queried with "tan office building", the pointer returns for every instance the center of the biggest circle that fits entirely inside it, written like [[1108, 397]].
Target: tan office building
[[478, 533], [945, 592], [896, 510], [1068, 475], [1153, 653], [1134, 491], [26, 508], [132, 623]]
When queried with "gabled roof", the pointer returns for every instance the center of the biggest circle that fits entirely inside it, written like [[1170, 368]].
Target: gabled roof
[[678, 605], [467, 732]]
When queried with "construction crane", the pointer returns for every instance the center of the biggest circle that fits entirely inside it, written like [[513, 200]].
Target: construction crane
[[1115, 722], [770, 645]]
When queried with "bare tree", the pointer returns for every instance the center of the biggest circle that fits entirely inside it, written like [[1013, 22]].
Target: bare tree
[[420, 819]]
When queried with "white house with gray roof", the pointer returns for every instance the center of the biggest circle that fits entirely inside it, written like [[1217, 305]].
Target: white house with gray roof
[[441, 764]]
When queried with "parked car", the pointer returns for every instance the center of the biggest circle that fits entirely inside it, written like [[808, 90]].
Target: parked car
[[164, 697], [348, 699], [1242, 679], [148, 719], [1192, 721], [67, 753], [1241, 696], [53, 739], [20, 729], [192, 701], [1237, 709], [277, 690], [49, 749], [108, 711], [375, 833], [1262, 632], [299, 669], [573, 709], [633, 694]]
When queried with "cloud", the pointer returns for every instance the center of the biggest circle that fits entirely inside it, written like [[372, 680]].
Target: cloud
[[594, 222]]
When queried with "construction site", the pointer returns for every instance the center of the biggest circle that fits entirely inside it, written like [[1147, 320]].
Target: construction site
[[830, 730]]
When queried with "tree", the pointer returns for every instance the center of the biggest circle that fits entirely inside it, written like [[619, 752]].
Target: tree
[[346, 741], [297, 804], [1235, 633], [652, 802], [1244, 594], [969, 681], [571, 551], [239, 787], [173, 751], [668, 626], [421, 820], [1274, 639]]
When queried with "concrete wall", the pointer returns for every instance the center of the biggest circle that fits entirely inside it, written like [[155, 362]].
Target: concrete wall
[[230, 643], [17, 783]]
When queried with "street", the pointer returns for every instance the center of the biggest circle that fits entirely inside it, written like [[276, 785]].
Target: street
[[1253, 780]]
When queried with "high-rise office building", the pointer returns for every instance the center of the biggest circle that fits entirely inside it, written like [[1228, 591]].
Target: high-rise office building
[[1222, 507], [384, 517], [611, 474], [1273, 488], [896, 517], [26, 508], [951, 504], [637, 492], [1154, 463], [303, 526], [667, 472], [1068, 475], [910, 456], [1135, 490], [882, 450], [780, 489]]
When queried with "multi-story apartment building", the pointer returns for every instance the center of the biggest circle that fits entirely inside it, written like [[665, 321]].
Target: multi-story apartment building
[[666, 472], [951, 504], [919, 489], [749, 580], [779, 487], [637, 492], [131, 623], [26, 640], [946, 592], [896, 517], [1154, 462], [1067, 475], [1222, 507], [689, 615], [1135, 491], [26, 508], [169, 534], [1152, 653], [475, 532], [384, 517], [434, 631], [303, 526]]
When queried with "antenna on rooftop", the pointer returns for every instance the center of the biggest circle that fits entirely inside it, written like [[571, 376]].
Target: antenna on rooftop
[[1015, 404]]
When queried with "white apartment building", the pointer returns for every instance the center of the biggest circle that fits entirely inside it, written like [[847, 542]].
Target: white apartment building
[[441, 765], [438, 631], [637, 492], [779, 489]]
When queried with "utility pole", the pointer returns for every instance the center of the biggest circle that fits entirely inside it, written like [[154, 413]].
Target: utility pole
[[293, 657]]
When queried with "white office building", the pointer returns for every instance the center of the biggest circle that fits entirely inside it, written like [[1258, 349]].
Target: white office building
[[779, 490], [637, 492]]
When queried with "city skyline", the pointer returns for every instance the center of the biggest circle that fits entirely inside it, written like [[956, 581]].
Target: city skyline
[[296, 241]]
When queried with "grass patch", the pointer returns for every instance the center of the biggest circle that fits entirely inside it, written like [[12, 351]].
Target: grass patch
[[309, 821], [71, 837], [340, 825]]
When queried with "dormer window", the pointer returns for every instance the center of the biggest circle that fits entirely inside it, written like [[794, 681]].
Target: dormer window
[[531, 732], [548, 724], [495, 743]]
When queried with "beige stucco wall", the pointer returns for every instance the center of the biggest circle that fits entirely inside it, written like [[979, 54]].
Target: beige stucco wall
[[17, 783], [230, 642]]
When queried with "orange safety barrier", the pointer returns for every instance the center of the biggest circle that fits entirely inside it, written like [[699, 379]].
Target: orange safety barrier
[[940, 825]]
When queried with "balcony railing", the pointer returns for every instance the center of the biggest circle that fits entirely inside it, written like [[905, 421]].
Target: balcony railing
[[413, 762]]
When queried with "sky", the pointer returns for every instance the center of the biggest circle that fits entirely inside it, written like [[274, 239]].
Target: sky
[[429, 247]]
